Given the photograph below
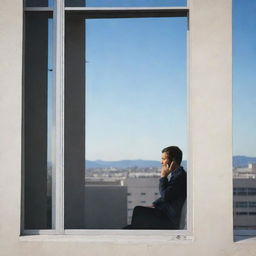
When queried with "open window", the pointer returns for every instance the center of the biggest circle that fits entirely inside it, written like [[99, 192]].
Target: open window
[[110, 84]]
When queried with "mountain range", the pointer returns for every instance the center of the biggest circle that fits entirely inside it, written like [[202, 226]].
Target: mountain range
[[238, 161], [122, 164]]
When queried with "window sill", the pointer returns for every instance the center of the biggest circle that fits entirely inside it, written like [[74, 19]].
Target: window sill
[[119, 237]]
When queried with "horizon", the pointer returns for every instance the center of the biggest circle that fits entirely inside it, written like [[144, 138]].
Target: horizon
[[139, 159]]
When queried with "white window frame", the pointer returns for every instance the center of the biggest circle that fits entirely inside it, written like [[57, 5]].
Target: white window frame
[[58, 137]]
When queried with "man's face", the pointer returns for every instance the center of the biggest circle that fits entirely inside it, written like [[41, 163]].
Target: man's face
[[165, 159]]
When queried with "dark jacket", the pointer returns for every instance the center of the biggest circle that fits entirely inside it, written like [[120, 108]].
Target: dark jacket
[[173, 194]]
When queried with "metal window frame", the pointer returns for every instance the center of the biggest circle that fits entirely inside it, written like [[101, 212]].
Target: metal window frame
[[59, 11]]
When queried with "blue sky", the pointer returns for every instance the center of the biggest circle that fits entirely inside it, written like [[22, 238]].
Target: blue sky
[[136, 85], [244, 79]]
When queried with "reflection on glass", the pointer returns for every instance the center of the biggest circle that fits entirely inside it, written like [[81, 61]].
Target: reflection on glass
[[39, 3], [135, 106], [50, 122], [38, 117], [244, 120], [124, 3]]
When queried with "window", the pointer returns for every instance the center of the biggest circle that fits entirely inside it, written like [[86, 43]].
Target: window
[[240, 191], [39, 123], [66, 115], [252, 191], [252, 204], [242, 213], [241, 204]]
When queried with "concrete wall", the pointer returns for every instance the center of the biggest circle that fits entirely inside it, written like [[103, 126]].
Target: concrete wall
[[210, 149]]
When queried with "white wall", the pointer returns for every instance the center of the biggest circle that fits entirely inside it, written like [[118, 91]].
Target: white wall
[[10, 124], [210, 147]]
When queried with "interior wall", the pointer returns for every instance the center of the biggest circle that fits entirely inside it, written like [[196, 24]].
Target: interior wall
[[210, 147]]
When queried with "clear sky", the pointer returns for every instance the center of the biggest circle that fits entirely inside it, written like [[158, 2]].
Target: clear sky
[[244, 77], [136, 95], [135, 87]]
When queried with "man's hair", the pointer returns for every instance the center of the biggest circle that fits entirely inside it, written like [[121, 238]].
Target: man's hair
[[173, 154]]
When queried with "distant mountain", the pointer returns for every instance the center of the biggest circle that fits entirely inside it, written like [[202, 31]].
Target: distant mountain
[[124, 164], [238, 161], [243, 161]]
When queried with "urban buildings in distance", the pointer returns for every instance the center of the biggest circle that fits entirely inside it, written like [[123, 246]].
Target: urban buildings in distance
[[115, 191]]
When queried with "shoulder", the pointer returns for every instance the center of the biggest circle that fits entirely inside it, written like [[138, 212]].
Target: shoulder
[[179, 172], [179, 175]]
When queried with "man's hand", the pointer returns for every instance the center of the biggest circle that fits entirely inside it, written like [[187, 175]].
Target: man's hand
[[166, 169]]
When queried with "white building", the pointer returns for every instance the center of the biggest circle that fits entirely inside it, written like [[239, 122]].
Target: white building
[[141, 191], [210, 222]]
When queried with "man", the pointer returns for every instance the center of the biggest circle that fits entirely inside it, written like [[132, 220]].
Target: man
[[166, 211]]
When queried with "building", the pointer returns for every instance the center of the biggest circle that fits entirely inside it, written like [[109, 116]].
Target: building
[[244, 197], [210, 225], [105, 205], [141, 191]]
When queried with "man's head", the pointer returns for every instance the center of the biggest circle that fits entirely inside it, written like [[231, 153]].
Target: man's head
[[170, 154]]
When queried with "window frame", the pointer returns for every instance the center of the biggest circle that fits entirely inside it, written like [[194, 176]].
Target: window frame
[[59, 10]]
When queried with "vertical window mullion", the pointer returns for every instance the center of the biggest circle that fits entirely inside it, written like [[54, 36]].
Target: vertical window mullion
[[58, 184]]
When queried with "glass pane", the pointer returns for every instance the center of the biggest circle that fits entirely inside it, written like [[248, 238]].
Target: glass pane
[[39, 3], [244, 119], [125, 3], [135, 106], [50, 124], [38, 117]]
